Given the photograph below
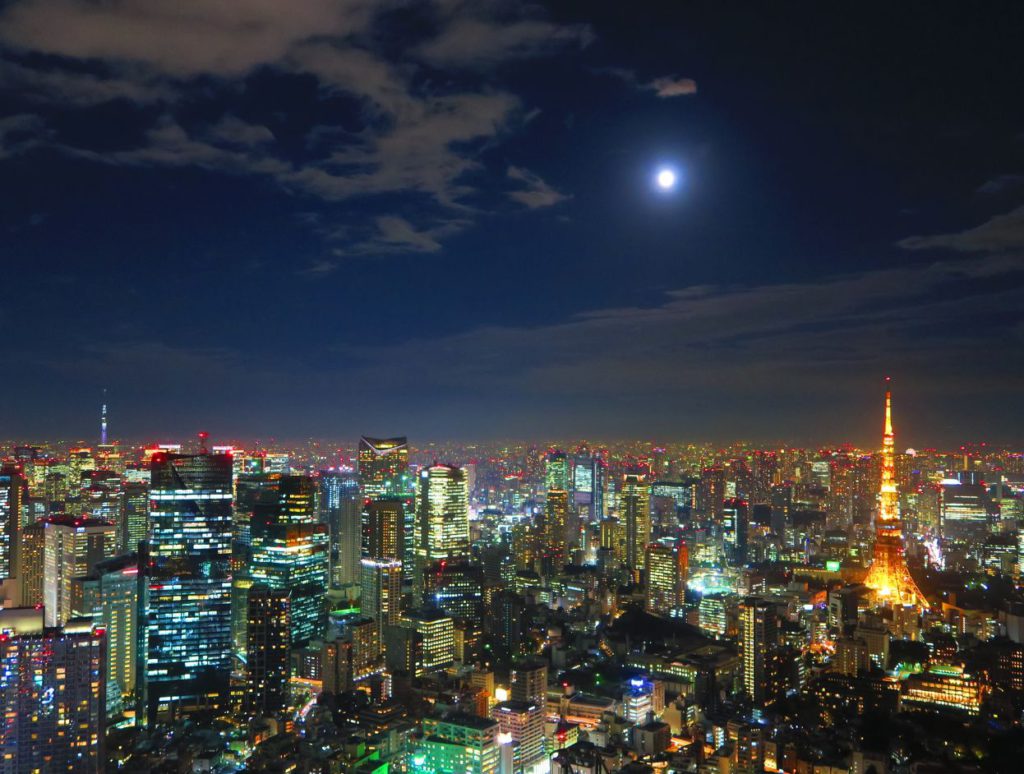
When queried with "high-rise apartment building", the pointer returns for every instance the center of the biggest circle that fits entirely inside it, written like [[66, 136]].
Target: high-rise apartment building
[[522, 723], [187, 586], [53, 695], [268, 655], [529, 682], [758, 642]]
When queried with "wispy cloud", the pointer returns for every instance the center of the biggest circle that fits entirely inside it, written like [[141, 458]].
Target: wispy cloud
[[999, 233], [534, 193]]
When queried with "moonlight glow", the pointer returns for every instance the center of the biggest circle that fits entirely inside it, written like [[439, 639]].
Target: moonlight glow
[[666, 179]]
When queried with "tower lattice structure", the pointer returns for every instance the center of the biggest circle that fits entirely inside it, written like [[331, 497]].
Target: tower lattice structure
[[889, 578]]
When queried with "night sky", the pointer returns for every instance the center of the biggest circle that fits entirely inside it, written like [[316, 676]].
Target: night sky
[[322, 218]]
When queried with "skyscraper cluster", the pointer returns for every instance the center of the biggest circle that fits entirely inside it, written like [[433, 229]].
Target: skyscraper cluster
[[503, 607]]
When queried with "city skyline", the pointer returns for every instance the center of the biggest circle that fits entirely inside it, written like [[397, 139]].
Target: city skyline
[[443, 221]]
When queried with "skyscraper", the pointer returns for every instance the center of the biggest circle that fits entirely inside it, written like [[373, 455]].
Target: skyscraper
[[442, 530], [381, 590], [53, 694], [556, 518], [187, 586], [635, 507], [71, 549], [289, 551], [888, 577], [666, 577], [110, 595], [32, 552], [268, 656], [734, 530], [758, 642], [13, 492], [557, 471], [384, 529], [383, 466]]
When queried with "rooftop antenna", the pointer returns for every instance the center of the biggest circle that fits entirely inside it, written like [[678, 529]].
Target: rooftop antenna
[[103, 419]]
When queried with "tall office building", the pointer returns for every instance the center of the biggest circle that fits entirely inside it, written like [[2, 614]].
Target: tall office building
[[381, 590], [758, 642], [268, 656], [71, 549], [341, 511], [383, 467], [135, 515], [437, 631], [384, 529], [186, 643], [289, 551], [13, 494], [556, 529], [598, 484], [32, 552], [53, 695], [635, 509], [110, 595], [667, 562], [734, 530], [888, 577], [557, 473], [442, 517]]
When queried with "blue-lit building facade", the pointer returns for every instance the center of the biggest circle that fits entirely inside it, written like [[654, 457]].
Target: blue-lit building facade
[[186, 592]]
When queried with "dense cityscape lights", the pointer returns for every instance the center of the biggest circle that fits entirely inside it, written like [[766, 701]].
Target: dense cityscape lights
[[444, 387], [691, 614]]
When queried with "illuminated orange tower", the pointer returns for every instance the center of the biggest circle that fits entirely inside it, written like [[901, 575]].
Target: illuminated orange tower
[[889, 577]]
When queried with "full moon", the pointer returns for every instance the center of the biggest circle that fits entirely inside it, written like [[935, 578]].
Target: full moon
[[666, 179]]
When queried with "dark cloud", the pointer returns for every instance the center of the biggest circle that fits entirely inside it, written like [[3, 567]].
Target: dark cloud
[[999, 233]]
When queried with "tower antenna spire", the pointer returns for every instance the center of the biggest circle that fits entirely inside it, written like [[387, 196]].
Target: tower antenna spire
[[103, 419], [888, 576]]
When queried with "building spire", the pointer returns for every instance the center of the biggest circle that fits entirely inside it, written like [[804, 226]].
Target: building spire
[[103, 419]]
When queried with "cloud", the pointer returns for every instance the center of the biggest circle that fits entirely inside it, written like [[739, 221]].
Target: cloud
[[477, 42], [414, 136], [535, 193], [741, 341], [664, 86], [182, 40], [1000, 184], [401, 233], [21, 132], [999, 233], [319, 268], [78, 89], [672, 87], [234, 131]]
